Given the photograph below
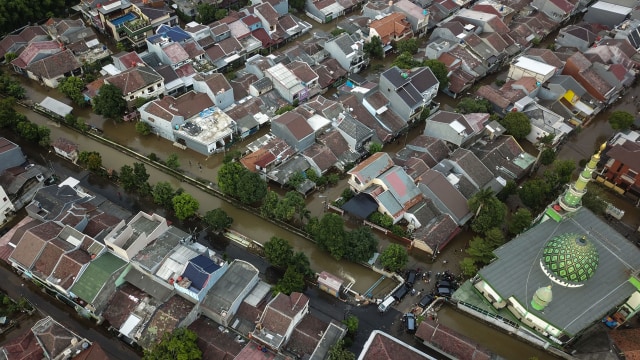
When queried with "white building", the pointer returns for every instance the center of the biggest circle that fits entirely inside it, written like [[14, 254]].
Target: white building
[[6, 206]]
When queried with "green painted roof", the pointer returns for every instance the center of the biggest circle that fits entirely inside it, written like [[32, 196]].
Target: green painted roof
[[95, 275], [570, 258]]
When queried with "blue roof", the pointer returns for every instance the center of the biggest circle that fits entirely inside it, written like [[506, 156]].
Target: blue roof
[[198, 270], [175, 33]]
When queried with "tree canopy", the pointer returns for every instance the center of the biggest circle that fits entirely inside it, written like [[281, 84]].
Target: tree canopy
[[292, 281], [517, 124], [405, 61], [163, 194], [520, 220], [489, 211], [620, 120], [185, 205], [407, 45], [109, 102], [469, 105], [143, 128], [217, 220], [72, 87], [330, 235], [278, 252], [236, 181], [177, 345], [374, 48], [360, 244], [394, 257], [17, 13], [548, 156], [440, 71], [92, 159]]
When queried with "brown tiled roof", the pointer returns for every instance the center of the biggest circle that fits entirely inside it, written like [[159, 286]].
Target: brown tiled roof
[[215, 344], [24, 347], [627, 153], [65, 145], [302, 70], [216, 82], [447, 193], [451, 342], [33, 241], [321, 156], [306, 336], [49, 257], [383, 348], [99, 223], [33, 49], [296, 124], [193, 49], [628, 341], [281, 310], [392, 25], [129, 59], [268, 12], [175, 52], [250, 107], [30, 32], [547, 56], [495, 40], [563, 5], [493, 95], [52, 336], [68, 267], [241, 85], [361, 114], [134, 79], [165, 320], [123, 302], [93, 352]]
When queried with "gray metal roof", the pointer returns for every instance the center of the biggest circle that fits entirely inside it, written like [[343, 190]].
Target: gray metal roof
[[230, 286], [517, 272]]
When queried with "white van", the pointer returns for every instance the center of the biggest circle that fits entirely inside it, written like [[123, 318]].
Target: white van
[[386, 304]]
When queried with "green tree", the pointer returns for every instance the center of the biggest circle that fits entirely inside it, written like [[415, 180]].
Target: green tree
[[221, 14], [143, 128], [470, 105], [72, 87], [232, 155], [206, 13], [28, 131], [440, 71], [339, 352], [127, 178], [352, 323], [10, 56], [330, 235], [185, 205], [381, 219], [564, 169], [405, 61], [229, 178], [180, 344], [44, 136], [468, 267], [489, 211], [494, 237], [251, 189], [374, 48], [292, 281], [548, 156], [139, 102], [533, 193], [120, 46], [509, 189], [217, 220], [620, 120], [300, 262], [517, 124], [297, 4], [269, 204], [480, 250], [520, 221], [172, 161], [424, 114], [394, 257], [109, 102], [375, 147], [16, 91], [592, 200], [278, 252], [407, 45], [92, 159], [360, 244], [334, 32], [163, 194]]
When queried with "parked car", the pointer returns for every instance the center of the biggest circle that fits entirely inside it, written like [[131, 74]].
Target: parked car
[[426, 300], [386, 304], [400, 293], [411, 278], [409, 323], [444, 283], [444, 291]]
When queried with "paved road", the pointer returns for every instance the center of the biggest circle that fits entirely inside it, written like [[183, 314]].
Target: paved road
[[16, 287]]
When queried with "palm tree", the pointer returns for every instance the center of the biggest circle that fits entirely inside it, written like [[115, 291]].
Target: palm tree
[[480, 199]]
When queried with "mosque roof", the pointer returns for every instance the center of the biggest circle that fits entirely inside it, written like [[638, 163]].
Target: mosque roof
[[517, 272], [570, 259]]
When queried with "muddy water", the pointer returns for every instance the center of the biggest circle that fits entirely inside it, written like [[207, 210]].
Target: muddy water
[[246, 223]]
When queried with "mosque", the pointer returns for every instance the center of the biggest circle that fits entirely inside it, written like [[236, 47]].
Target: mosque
[[566, 272]]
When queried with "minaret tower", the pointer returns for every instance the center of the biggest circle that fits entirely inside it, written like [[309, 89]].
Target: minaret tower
[[571, 200]]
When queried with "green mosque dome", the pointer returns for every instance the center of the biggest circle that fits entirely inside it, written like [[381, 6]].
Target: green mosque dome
[[570, 259]]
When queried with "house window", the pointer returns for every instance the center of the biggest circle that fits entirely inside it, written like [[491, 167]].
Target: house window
[[152, 119], [131, 97], [4, 198]]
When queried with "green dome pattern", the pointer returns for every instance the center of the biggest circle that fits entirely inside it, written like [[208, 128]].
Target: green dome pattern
[[570, 258]]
